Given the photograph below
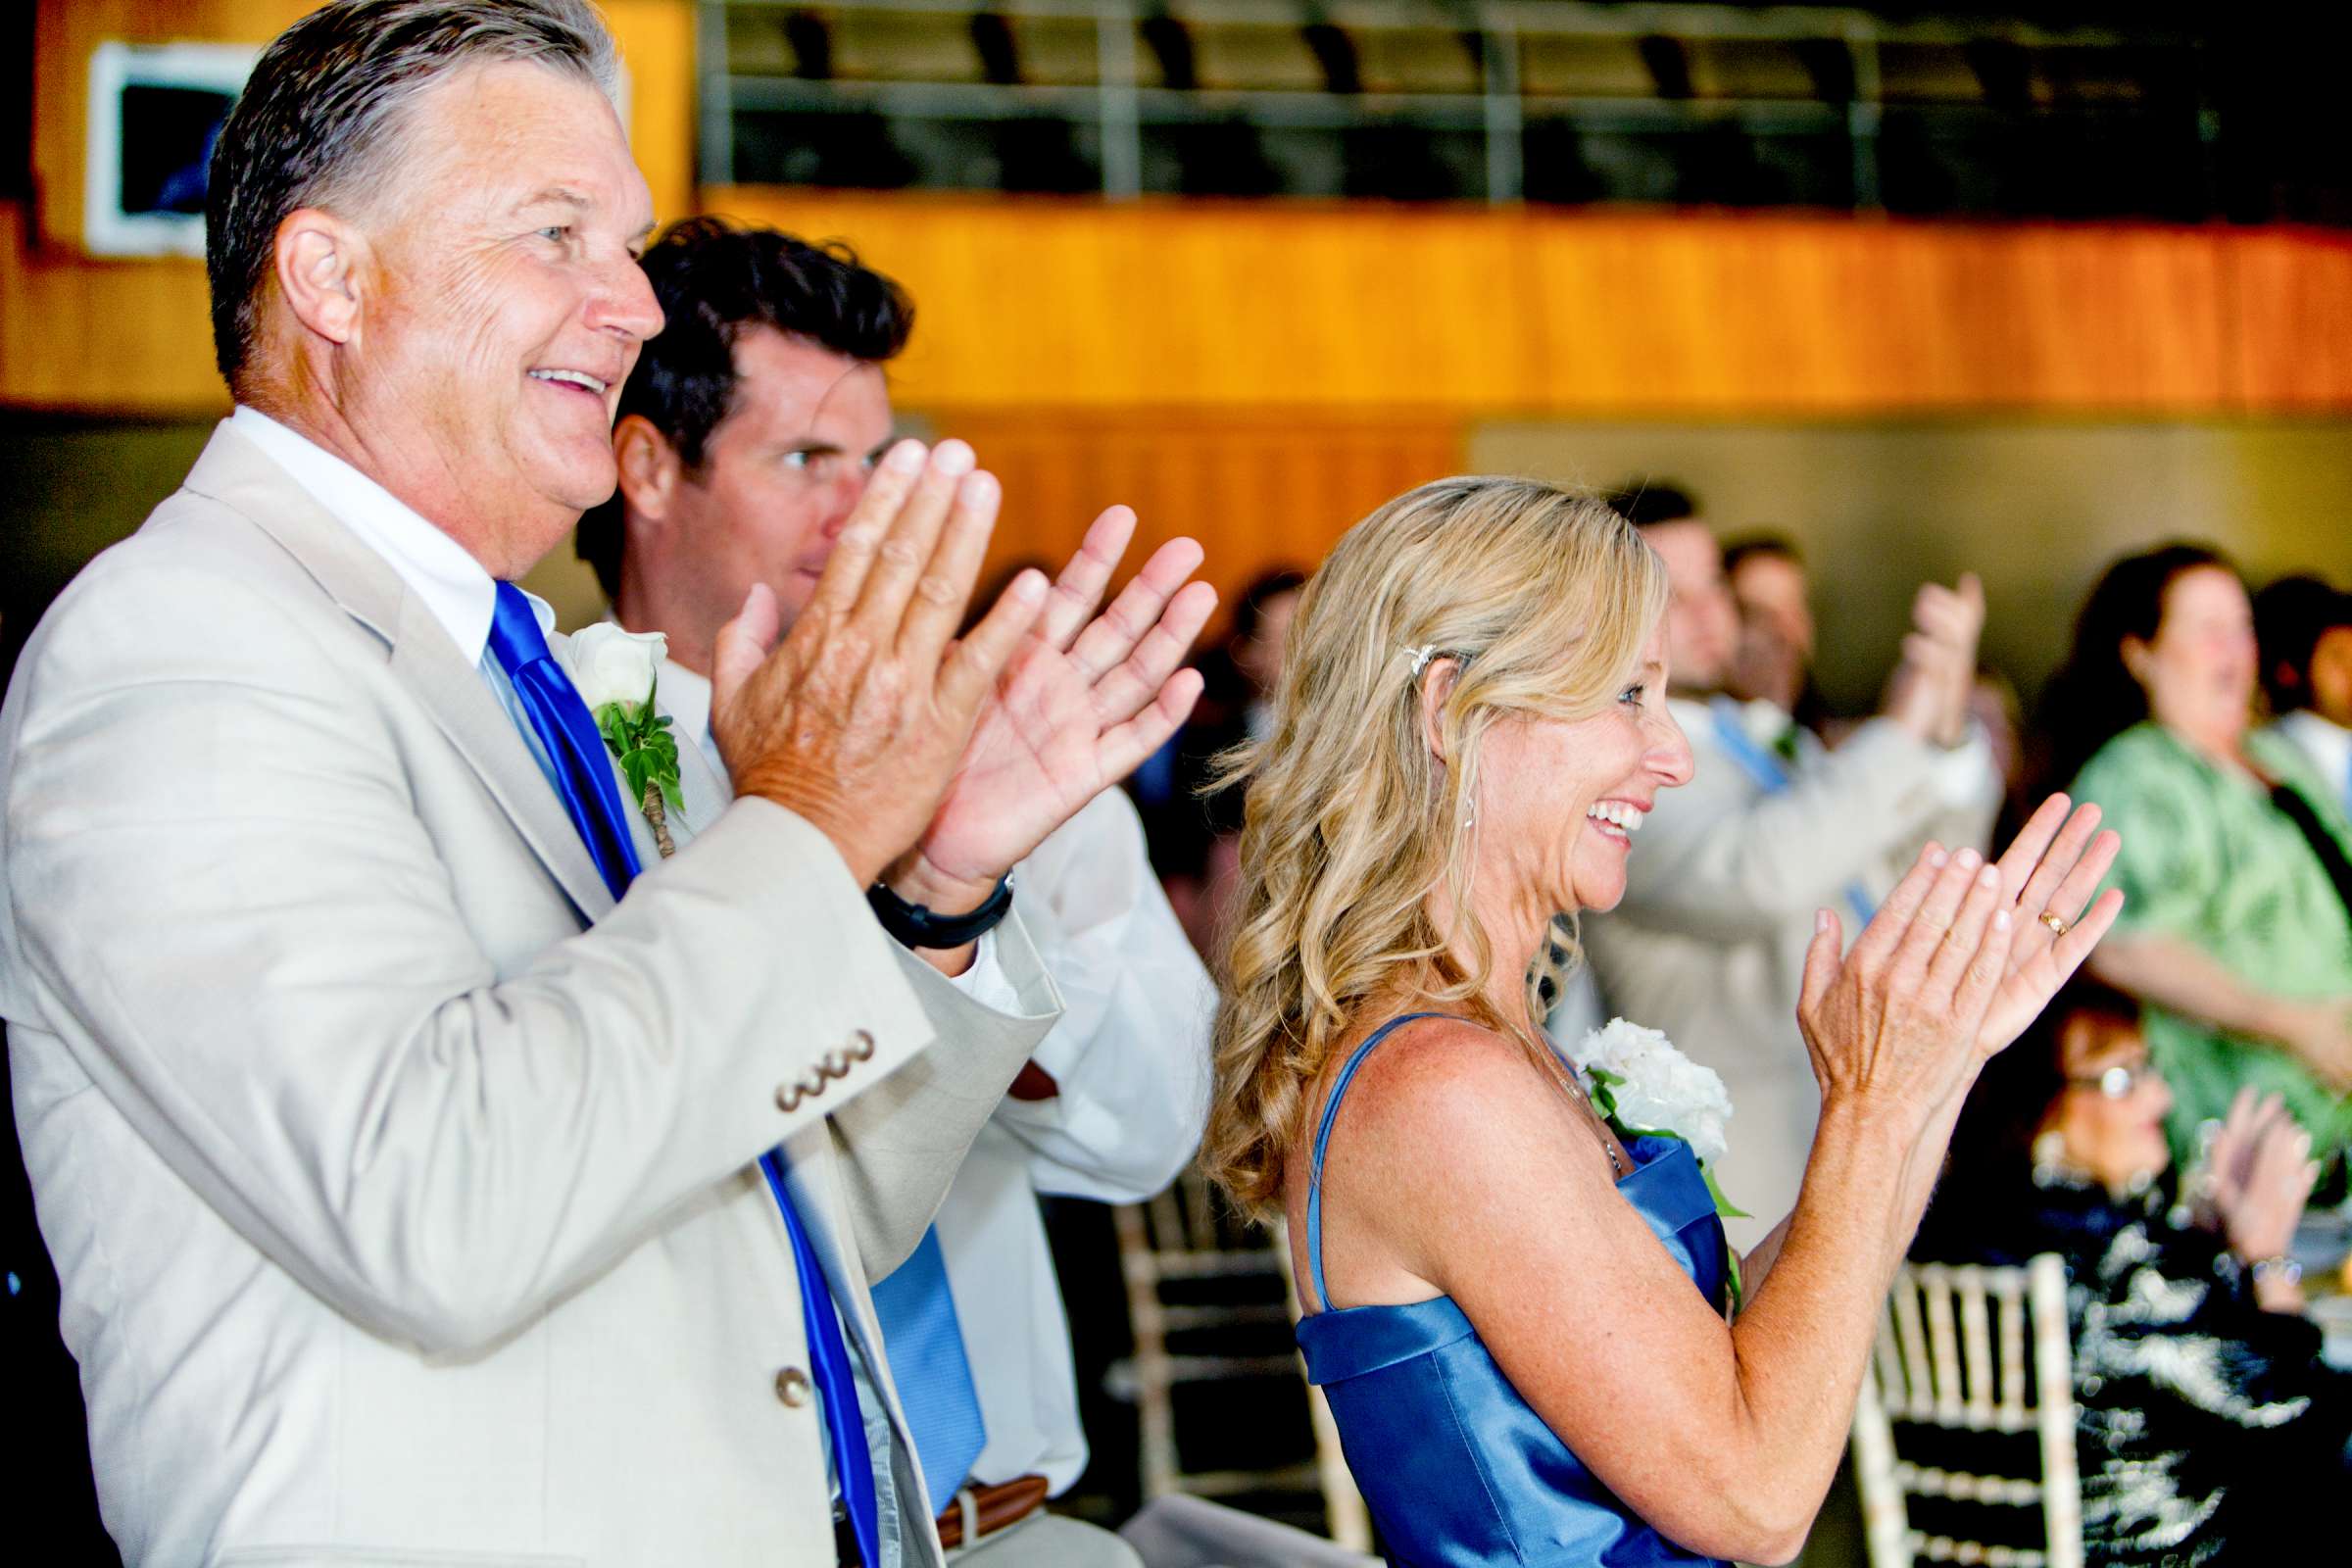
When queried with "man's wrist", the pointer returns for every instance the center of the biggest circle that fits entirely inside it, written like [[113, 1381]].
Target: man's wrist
[[914, 879]]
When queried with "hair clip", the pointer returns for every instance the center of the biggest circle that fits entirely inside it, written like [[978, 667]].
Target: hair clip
[[1421, 657]]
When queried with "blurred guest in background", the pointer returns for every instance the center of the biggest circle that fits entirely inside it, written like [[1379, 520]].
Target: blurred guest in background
[[1709, 942], [2208, 1429], [1773, 660], [2235, 932], [744, 440], [1199, 857], [2303, 627]]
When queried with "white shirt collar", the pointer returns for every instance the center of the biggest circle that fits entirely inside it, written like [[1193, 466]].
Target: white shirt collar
[[455, 588], [686, 698]]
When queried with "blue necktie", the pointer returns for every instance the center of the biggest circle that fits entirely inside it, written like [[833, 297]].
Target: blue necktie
[[583, 767], [591, 794], [925, 1342]]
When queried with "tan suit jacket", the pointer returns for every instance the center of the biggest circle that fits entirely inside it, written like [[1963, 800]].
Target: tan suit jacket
[[401, 1185]]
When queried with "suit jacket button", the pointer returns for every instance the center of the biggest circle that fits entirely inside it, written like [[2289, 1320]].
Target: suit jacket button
[[792, 1387]]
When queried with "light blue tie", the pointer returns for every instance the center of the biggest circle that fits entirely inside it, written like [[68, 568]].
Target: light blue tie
[[924, 1343]]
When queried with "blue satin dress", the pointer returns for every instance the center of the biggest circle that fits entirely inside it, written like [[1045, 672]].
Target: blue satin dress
[[1458, 1470]]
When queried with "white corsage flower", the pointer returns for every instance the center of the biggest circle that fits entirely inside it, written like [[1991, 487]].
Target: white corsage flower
[[614, 672], [1656, 1089], [612, 665], [1643, 1086]]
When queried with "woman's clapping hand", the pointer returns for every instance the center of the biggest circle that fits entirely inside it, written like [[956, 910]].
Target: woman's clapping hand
[[1956, 961]]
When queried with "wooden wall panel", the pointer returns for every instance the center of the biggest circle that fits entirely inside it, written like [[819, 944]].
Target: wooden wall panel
[[2291, 304], [1362, 305], [1257, 490], [1075, 304]]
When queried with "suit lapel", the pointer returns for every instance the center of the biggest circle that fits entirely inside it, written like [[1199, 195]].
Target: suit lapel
[[233, 472]]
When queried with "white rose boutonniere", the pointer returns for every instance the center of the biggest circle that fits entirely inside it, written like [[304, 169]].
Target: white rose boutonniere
[[1644, 1087], [615, 673]]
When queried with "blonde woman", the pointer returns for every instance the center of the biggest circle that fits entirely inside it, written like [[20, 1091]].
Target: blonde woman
[[1519, 1316]]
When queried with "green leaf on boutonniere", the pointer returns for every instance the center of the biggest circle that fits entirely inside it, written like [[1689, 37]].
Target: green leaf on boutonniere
[[640, 741]]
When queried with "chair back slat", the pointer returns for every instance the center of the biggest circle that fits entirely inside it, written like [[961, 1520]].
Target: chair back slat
[[1950, 1351], [1936, 1288], [1919, 1391], [2054, 1410], [2009, 1288], [1975, 1341]]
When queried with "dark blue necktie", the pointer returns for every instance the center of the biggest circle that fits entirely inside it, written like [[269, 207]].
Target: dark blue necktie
[[584, 778], [582, 766]]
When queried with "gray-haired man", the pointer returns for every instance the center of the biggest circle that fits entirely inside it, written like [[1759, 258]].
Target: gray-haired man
[[404, 1151]]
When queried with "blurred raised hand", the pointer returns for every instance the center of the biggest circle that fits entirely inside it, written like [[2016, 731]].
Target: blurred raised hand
[[2263, 1173], [1929, 693]]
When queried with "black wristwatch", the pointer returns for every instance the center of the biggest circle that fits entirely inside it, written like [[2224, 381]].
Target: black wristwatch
[[915, 926]]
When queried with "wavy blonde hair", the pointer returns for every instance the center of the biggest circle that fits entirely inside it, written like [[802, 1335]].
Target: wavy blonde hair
[[1545, 597]]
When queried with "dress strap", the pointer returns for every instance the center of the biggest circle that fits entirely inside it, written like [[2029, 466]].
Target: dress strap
[[1331, 1111]]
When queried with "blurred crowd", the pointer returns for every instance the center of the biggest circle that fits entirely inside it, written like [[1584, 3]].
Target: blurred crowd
[[2167, 1126]]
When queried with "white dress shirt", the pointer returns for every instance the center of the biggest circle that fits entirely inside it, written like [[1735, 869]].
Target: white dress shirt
[[1130, 1058], [457, 589], [2328, 746]]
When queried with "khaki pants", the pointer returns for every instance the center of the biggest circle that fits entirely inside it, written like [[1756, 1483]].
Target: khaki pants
[[1046, 1541]]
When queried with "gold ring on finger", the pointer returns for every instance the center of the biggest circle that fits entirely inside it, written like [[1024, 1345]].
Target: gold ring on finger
[[2057, 922]]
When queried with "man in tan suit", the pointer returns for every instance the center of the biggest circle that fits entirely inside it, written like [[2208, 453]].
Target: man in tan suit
[[401, 1156]]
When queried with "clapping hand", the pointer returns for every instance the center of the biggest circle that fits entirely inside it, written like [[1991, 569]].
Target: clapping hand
[[1957, 960], [1929, 693], [1084, 701], [856, 719], [2261, 1173]]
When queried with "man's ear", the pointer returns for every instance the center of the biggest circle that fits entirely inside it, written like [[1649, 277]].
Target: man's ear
[[1437, 685], [650, 467], [322, 266]]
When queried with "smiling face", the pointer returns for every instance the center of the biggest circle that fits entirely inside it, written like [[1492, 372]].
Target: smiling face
[[2199, 669], [502, 311], [1561, 802]]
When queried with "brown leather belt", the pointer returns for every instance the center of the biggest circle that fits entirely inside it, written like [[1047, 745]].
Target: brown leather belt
[[993, 1509]]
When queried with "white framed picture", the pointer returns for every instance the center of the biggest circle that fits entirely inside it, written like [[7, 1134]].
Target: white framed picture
[[155, 110]]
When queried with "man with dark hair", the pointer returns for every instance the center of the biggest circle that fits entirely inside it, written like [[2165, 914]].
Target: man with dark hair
[[444, 1161], [745, 441], [721, 286], [2304, 628]]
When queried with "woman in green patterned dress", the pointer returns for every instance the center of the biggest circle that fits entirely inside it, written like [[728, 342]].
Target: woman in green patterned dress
[[2236, 933]]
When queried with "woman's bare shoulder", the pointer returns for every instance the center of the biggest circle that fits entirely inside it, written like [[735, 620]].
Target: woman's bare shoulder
[[1435, 1076]]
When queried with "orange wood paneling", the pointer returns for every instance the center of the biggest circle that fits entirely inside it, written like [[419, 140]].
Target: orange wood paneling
[[1528, 311], [1257, 489]]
